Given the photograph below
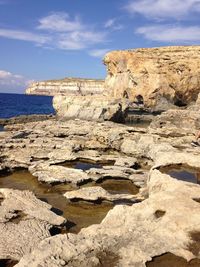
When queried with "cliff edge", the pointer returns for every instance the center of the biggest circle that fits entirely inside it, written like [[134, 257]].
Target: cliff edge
[[67, 86]]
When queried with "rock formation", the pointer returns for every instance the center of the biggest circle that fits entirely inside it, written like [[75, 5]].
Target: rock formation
[[24, 221], [165, 222], [95, 108], [67, 86], [98, 194], [168, 221], [155, 77]]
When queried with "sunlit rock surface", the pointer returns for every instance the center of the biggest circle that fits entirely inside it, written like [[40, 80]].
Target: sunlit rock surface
[[156, 77], [167, 221], [67, 86], [24, 222], [93, 108]]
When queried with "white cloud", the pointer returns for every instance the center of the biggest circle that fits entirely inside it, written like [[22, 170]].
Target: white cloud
[[109, 23], [60, 22], [112, 24], [162, 9], [98, 52], [80, 40], [12, 81], [25, 36], [58, 31], [173, 34]]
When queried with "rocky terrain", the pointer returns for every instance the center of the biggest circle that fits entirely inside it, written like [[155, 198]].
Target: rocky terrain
[[78, 189], [143, 221], [67, 86]]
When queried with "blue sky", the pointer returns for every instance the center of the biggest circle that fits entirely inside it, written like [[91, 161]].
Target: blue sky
[[52, 39]]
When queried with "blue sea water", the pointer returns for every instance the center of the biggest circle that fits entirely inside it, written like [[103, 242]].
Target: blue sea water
[[12, 105]]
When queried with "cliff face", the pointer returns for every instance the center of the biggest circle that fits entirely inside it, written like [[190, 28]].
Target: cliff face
[[156, 77], [67, 86]]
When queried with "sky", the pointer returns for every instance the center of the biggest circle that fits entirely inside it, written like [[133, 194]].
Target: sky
[[53, 39]]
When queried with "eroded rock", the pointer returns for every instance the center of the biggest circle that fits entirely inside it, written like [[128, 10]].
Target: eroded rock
[[91, 108], [24, 221], [97, 193], [134, 234], [58, 174], [155, 77]]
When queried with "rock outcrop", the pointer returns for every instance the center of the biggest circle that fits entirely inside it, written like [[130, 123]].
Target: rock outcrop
[[95, 108], [24, 221], [156, 77], [67, 86]]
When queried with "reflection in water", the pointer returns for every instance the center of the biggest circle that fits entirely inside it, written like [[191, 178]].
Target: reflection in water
[[85, 165], [82, 214], [82, 165], [184, 174]]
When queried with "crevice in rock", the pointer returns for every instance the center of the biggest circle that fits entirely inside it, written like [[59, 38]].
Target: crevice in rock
[[196, 199], [7, 263], [18, 216]]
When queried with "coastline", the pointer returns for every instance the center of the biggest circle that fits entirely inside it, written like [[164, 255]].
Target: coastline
[[91, 186]]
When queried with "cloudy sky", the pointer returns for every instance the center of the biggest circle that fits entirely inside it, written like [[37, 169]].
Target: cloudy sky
[[49, 39]]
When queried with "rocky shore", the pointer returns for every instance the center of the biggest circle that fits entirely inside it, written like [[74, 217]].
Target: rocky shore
[[118, 195]]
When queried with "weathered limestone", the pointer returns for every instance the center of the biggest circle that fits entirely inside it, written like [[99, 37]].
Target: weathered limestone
[[156, 77], [58, 174], [176, 123], [167, 221], [24, 221], [92, 108], [97, 193], [53, 142], [67, 86]]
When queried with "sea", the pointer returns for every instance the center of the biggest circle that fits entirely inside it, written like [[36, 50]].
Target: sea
[[12, 105]]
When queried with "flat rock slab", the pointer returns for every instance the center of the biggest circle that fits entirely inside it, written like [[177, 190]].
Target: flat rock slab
[[115, 172], [58, 174], [24, 221], [96, 193]]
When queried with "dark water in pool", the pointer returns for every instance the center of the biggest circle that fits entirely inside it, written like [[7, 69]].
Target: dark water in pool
[[12, 105], [183, 173], [81, 214]]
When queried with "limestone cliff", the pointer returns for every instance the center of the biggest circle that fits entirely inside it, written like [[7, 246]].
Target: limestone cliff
[[155, 77], [67, 86]]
